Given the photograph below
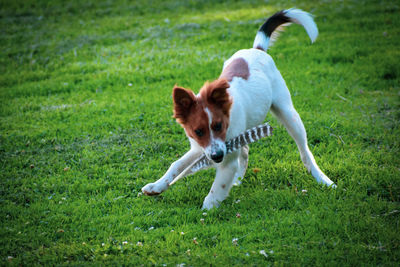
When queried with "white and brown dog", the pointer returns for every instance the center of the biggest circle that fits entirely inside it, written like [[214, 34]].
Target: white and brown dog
[[250, 85]]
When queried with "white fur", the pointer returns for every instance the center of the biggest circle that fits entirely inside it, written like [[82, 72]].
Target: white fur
[[264, 90], [215, 143], [305, 19], [296, 16], [261, 41]]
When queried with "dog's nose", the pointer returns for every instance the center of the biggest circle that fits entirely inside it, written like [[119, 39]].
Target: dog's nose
[[217, 156]]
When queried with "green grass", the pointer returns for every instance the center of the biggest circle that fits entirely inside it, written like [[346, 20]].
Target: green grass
[[86, 121]]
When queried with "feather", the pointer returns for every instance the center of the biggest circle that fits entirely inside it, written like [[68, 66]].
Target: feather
[[249, 136]]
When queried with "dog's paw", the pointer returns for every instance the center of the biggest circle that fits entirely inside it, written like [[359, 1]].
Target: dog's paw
[[210, 203], [152, 189], [237, 180]]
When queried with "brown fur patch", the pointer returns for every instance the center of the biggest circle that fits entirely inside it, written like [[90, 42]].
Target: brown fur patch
[[217, 99], [184, 100], [189, 110], [215, 94], [237, 68]]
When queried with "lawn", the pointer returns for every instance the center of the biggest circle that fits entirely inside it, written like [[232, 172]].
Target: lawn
[[86, 121]]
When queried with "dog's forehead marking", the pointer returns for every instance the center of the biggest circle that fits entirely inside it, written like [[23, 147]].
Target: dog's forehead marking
[[210, 119], [209, 114], [236, 68], [197, 119]]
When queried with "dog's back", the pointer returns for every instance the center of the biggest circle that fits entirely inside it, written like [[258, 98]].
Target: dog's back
[[255, 82]]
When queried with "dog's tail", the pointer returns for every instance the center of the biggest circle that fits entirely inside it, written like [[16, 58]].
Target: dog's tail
[[269, 31]]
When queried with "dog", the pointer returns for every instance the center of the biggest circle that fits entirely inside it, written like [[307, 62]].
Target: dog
[[249, 86]]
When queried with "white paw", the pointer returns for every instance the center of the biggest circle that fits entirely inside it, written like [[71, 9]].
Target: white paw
[[210, 203], [237, 180], [153, 189], [321, 177]]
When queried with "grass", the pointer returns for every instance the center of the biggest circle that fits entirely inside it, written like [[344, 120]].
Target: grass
[[86, 121]]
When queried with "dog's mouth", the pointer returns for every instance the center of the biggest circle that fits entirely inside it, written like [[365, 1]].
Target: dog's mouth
[[217, 157], [218, 160]]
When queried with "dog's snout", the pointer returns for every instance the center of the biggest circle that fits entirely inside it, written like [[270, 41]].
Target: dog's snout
[[217, 156]]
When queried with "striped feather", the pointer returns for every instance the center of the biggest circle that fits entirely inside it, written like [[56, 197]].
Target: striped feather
[[249, 136]]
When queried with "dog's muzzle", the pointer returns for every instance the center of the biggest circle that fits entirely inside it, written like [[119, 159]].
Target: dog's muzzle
[[216, 150]]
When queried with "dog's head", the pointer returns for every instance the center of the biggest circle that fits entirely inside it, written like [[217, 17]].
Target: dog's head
[[205, 117]]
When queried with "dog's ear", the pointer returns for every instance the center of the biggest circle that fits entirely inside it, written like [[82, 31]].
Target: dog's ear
[[218, 95], [218, 91], [184, 99]]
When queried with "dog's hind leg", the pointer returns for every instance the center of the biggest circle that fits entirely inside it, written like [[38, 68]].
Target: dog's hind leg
[[174, 170], [289, 117]]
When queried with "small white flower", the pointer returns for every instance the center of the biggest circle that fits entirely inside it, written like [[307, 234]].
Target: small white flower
[[237, 201], [139, 244], [304, 191], [262, 252], [129, 84], [125, 243], [235, 241], [151, 228], [204, 213], [182, 233], [102, 244]]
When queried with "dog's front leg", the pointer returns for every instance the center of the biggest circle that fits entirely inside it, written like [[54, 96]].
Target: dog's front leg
[[223, 183], [174, 170]]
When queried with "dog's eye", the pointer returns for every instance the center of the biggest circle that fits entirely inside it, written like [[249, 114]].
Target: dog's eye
[[217, 127], [199, 132]]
